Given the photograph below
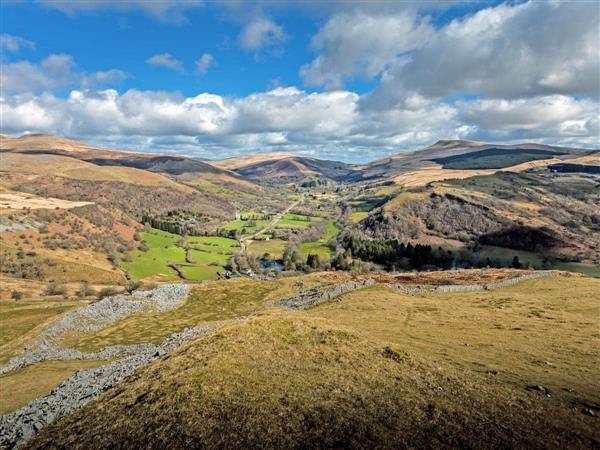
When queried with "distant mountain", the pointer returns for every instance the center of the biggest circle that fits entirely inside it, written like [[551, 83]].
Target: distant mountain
[[295, 168], [466, 155], [238, 162], [46, 144]]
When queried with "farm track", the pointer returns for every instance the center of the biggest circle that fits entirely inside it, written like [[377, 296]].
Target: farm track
[[274, 222]]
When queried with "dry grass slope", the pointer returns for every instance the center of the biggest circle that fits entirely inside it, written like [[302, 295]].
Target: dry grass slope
[[373, 368], [313, 384]]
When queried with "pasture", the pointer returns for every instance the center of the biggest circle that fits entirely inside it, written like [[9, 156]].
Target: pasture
[[208, 255]]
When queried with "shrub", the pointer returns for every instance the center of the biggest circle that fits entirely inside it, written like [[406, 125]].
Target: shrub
[[86, 290], [107, 292], [134, 286], [55, 288], [16, 295]]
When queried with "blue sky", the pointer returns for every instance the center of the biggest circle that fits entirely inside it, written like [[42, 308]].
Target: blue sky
[[343, 80]]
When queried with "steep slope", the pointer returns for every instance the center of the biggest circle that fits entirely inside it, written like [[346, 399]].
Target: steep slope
[[544, 212]]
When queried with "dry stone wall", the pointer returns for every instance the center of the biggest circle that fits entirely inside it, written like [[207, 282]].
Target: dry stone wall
[[19, 426], [313, 297], [94, 317], [472, 287]]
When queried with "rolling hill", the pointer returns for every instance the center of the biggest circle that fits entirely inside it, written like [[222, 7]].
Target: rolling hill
[[77, 161], [465, 155], [512, 368], [399, 350], [238, 162], [294, 169], [281, 167]]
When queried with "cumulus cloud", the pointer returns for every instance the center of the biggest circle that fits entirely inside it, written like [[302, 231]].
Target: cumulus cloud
[[14, 44], [512, 72], [357, 44], [325, 124], [205, 62], [260, 33], [166, 60], [55, 71], [546, 117], [509, 51]]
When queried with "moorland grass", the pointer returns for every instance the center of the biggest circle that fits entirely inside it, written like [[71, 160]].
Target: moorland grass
[[284, 380], [538, 332], [22, 320], [208, 302], [24, 385]]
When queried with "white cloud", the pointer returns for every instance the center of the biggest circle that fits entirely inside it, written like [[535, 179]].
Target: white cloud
[[205, 62], [54, 72], [547, 117], [512, 72], [509, 51], [102, 78], [325, 124], [358, 44], [166, 60], [260, 33], [14, 44]]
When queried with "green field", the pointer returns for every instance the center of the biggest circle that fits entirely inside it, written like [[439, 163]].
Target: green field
[[358, 216], [332, 230], [213, 244], [273, 247], [587, 269], [316, 248], [365, 203], [209, 255], [244, 225], [320, 247], [297, 221]]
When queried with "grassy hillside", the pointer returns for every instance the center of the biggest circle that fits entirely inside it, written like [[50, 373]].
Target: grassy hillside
[[371, 368], [463, 155]]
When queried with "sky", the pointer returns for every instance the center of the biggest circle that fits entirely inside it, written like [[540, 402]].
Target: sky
[[345, 80]]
